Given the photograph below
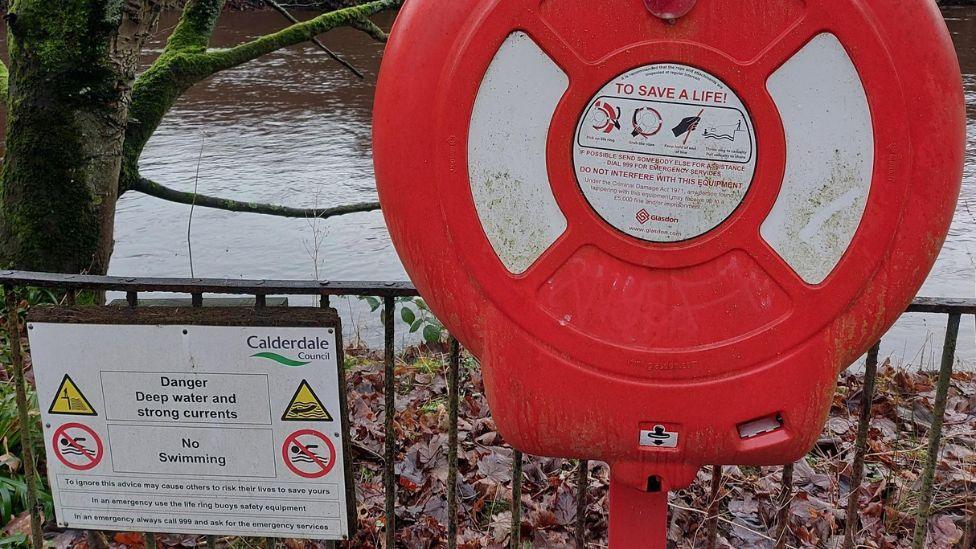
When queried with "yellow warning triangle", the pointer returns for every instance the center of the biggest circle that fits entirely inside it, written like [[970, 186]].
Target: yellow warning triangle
[[305, 406], [70, 401]]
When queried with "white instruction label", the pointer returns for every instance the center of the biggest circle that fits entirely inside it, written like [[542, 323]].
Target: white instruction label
[[665, 152]]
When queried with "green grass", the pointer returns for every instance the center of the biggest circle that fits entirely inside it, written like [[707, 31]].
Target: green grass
[[434, 405]]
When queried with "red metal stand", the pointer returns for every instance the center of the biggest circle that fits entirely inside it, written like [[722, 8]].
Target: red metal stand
[[638, 520]]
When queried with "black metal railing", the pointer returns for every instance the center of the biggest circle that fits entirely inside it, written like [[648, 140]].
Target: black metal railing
[[388, 292]]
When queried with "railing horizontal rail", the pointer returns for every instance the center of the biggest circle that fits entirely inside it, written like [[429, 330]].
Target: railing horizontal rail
[[207, 285], [943, 305], [939, 305]]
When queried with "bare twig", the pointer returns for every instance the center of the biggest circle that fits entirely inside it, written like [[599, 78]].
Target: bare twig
[[314, 248], [152, 188], [280, 9], [193, 203]]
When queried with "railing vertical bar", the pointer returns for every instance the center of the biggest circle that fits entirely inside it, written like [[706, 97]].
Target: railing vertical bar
[[260, 301], [713, 507], [970, 537], [23, 415], [582, 489], [270, 543], [453, 398], [133, 299], [935, 434], [785, 500], [324, 304], [517, 500], [196, 299], [70, 297], [389, 410], [861, 444]]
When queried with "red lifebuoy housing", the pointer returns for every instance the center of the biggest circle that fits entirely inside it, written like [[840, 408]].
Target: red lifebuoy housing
[[664, 239]]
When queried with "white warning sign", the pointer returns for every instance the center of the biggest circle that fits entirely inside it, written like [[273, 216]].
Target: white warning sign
[[665, 152], [194, 428]]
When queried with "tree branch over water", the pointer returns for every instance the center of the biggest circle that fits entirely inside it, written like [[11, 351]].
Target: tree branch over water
[[285, 13], [218, 60], [372, 29], [152, 188], [186, 61]]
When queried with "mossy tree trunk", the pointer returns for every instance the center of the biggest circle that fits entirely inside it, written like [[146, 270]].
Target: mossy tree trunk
[[72, 67]]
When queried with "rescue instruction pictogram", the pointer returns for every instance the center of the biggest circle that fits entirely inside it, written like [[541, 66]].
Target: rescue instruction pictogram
[[305, 405], [605, 117], [70, 401], [308, 453], [685, 166], [647, 122], [77, 446]]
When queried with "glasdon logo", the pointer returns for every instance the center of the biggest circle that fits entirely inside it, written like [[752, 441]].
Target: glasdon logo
[[303, 350]]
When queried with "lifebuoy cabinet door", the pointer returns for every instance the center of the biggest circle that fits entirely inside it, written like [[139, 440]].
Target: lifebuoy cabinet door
[[664, 239]]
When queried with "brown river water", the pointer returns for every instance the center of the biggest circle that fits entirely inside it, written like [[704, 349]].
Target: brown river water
[[293, 128]]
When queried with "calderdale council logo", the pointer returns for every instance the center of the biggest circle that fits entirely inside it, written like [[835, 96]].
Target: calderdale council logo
[[280, 359], [302, 350]]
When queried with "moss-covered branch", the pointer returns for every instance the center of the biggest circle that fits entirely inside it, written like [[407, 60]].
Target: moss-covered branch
[[195, 27], [157, 89], [335, 57], [219, 60], [152, 188], [186, 61], [371, 28], [4, 82]]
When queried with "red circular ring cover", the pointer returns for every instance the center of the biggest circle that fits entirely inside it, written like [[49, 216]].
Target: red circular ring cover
[[710, 311]]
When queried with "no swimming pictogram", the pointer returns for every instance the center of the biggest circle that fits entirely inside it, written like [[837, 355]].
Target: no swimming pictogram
[[308, 453], [77, 446]]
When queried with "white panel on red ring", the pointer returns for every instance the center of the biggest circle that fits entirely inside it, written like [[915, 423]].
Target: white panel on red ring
[[665, 152], [829, 158], [507, 152]]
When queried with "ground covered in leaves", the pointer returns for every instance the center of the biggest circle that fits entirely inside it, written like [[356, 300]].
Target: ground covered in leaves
[[748, 501]]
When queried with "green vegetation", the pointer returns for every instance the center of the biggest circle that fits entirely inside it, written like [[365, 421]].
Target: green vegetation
[[415, 313], [13, 484]]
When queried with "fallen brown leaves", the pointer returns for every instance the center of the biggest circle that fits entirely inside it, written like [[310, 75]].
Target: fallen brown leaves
[[748, 501]]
